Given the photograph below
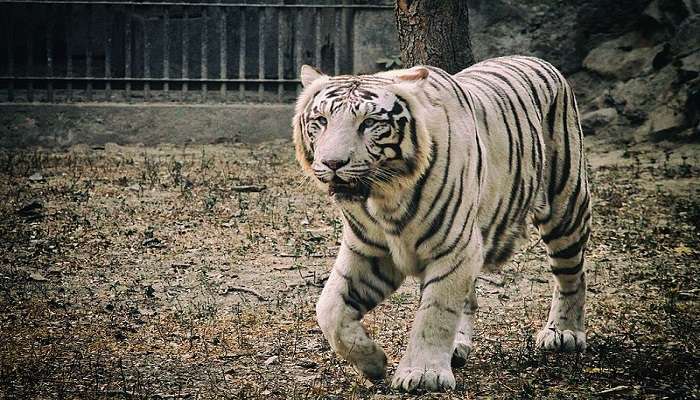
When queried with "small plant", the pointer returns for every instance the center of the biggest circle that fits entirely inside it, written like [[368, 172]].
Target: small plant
[[390, 62], [176, 172], [151, 170], [209, 202]]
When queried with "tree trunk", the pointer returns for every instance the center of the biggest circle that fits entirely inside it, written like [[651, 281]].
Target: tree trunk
[[434, 32]]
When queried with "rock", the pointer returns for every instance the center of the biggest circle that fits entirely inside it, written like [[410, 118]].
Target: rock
[[666, 119], [687, 38], [653, 11], [692, 105], [644, 93], [37, 177], [271, 360], [35, 276], [592, 121], [689, 67], [636, 117], [678, 10], [618, 59], [599, 19]]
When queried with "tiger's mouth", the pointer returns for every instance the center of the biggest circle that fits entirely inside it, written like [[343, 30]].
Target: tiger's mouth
[[348, 191]]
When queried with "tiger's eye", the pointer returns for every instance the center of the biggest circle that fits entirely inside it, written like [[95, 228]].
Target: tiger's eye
[[322, 121], [368, 123]]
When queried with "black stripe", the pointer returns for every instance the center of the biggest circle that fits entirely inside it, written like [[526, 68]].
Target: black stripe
[[369, 216], [358, 229], [443, 276], [515, 192], [496, 100], [552, 178], [583, 214], [571, 293], [509, 84], [569, 270], [483, 113], [547, 67], [505, 251], [445, 174], [359, 253], [574, 249], [538, 72], [533, 92], [372, 287], [452, 245], [513, 110], [416, 197], [486, 231], [478, 163], [567, 146], [436, 223], [557, 232], [354, 295], [455, 209], [379, 274], [449, 79], [524, 205], [352, 303], [552, 117]]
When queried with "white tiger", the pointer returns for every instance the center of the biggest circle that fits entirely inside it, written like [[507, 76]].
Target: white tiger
[[436, 175]]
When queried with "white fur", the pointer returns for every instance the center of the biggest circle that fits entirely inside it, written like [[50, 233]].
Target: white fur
[[377, 252]]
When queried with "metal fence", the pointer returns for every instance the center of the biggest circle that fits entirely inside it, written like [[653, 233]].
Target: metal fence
[[62, 51]]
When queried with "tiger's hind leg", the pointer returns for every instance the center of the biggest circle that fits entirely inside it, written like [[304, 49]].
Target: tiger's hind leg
[[566, 237], [564, 222], [463, 339]]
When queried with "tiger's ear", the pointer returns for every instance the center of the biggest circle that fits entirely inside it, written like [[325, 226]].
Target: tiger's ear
[[414, 75], [309, 74]]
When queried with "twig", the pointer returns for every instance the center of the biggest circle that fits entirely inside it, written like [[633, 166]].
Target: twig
[[315, 255], [616, 389], [248, 188], [244, 290], [286, 268], [491, 281]]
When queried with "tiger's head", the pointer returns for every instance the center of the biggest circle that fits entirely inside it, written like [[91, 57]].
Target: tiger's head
[[362, 136]]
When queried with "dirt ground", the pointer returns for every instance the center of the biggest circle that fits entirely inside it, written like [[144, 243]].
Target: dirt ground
[[192, 271]]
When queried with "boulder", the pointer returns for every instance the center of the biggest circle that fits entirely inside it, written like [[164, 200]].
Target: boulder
[[687, 37], [595, 120], [666, 119], [644, 92], [621, 59], [690, 66]]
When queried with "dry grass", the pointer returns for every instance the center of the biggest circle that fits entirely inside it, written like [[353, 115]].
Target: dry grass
[[156, 273]]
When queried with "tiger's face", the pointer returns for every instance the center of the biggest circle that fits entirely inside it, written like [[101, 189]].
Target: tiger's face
[[356, 135]]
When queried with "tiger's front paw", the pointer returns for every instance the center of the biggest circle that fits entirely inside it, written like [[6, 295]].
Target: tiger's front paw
[[554, 339], [431, 378], [372, 365]]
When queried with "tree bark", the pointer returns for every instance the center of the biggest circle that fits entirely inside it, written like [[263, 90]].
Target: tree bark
[[434, 32]]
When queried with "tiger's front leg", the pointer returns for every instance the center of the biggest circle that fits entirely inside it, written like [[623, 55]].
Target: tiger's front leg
[[446, 286], [355, 286]]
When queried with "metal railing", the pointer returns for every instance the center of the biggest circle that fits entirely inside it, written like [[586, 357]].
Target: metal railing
[[58, 51]]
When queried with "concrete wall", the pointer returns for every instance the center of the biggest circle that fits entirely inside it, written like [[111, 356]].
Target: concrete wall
[[44, 125]]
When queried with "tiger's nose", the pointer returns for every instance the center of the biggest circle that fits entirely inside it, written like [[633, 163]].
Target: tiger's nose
[[335, 165]]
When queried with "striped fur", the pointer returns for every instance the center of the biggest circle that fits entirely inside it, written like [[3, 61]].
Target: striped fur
[[437, 176]]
